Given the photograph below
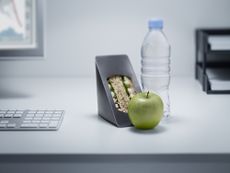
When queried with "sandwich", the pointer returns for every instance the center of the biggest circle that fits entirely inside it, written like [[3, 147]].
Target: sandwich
[[122, 90]]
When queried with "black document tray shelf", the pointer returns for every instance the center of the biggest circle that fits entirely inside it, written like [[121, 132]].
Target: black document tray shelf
[[209, 59]]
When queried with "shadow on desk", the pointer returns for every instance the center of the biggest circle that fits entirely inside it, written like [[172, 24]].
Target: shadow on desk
[[99, 119], [11, 94], [159, 129]]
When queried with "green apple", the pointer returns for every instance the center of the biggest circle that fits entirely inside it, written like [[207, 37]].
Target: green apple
[[145, 110]]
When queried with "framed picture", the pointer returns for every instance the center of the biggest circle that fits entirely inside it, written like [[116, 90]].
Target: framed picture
[[21, 28]]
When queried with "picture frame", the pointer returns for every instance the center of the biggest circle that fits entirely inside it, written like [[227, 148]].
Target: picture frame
[[21, 32]]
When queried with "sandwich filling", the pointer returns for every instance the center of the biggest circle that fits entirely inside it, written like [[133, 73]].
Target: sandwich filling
[[122, 90]]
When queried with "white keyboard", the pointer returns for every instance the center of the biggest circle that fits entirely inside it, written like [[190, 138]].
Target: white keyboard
[[14, 120]]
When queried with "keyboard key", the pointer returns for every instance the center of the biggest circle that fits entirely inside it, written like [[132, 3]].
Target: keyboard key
[[45, 122], [40, 112], [46, 119], [59, 112], [3, 111], [39, 115], [37, 118], [19, 112], [32, 112], [17, 115], [26, 121], [1, 115], [53, 124], [29, 125], [43, 125], [48, 115], [34, 125], [25, 126], [49, 112], [2, 125], [4, 121], [8, 115], [56, 115], [11, 125], [55, 118], [30, 115], [28, 118], [35, 121], [11, 111]]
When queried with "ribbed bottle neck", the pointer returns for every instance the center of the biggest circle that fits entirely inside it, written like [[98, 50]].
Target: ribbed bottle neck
[[155, 29]]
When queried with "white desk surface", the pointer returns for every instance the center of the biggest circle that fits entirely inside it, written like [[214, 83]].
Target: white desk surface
[[200, 123]]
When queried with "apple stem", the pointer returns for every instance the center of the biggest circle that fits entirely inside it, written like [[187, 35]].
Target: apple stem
[[147, 94]]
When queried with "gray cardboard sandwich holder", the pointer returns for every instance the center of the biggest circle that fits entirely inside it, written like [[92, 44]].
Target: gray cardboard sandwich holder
[[108, 66]]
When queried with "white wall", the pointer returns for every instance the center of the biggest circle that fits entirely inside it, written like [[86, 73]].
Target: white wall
[[78, 30]]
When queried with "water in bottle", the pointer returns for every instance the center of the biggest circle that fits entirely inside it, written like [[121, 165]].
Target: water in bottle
[[155, 63]]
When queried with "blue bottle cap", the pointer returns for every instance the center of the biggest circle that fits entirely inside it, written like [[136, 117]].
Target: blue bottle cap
[[155, 24]]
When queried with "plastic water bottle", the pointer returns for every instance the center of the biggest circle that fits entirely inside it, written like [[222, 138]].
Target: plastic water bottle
[[155, 63]]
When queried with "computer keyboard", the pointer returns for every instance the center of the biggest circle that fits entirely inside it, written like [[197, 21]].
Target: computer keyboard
[[15, 120]]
